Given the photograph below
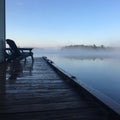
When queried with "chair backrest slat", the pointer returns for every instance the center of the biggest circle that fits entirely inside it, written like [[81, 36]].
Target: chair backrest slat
[[14, 49]]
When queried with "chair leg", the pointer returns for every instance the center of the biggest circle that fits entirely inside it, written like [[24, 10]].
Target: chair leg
[[25, 59], [32, 57]]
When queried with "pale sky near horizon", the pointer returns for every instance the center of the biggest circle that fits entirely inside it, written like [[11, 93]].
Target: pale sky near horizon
[[54, 23]]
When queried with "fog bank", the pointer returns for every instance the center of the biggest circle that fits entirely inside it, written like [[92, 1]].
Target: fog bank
[[115, 52]]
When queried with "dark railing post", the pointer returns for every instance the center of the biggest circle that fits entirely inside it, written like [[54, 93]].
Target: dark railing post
[[2, 30]]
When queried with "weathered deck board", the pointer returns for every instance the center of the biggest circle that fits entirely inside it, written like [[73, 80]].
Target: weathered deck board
[[33, 91]]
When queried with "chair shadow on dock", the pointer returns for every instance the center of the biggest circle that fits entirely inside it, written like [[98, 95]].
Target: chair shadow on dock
[[15, 69], [11, 71]]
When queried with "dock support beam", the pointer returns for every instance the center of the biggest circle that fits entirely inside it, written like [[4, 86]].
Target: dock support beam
[[2, 31]]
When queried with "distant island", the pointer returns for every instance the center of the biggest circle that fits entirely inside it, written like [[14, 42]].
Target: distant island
[[86, 47]]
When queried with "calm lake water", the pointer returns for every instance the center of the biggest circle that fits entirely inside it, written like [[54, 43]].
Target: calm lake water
[[100, 72]]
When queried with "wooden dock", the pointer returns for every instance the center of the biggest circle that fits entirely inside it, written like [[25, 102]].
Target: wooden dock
[[34, 91]]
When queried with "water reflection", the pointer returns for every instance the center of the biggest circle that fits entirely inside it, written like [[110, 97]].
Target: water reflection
[[86, 57]]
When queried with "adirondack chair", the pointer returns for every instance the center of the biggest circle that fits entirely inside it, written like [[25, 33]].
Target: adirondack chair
[[16, 53]]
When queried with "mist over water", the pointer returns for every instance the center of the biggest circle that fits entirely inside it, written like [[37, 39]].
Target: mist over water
[[112, 53]]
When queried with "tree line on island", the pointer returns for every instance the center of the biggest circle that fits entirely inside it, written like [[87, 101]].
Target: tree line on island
[[86, 47]]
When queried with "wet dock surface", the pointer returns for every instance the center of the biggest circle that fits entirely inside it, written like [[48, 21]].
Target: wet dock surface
[[34, 91]]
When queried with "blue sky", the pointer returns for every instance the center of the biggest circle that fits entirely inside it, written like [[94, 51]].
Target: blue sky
[[54, 23]]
